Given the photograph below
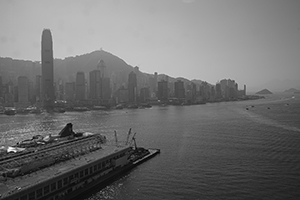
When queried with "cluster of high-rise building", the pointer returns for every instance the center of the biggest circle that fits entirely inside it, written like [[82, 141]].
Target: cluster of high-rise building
[[97, 87]]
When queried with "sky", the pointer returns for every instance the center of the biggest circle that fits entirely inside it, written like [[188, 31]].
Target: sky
[[250, 41]]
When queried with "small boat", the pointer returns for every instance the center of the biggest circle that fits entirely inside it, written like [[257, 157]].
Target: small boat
[[81, 109], [146, 105], [119, 106], [23, 111], [35, 110], [10, 111], [60, 110], [99, 108]]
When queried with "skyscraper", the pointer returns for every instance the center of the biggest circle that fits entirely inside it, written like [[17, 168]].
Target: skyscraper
[[95, 85], [132, 87], [47, 70]]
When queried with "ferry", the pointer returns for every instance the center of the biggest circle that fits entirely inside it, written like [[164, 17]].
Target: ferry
[[65, 166]]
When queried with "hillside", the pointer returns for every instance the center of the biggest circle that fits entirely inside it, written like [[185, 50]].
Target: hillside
[[66, 69]]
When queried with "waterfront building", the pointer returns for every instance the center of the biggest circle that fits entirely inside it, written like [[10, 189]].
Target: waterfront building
[[218, 91], [106, 91], [223, 84], [9, 94], [1, 91], [15, 94], [23, 88], [162, 90], [193, 92], [132, 87], [70, 91], [60, 90], [95, 85], [229, 88], [144, 94], [47, 70], [179, 89], [38, 88], [212, 93], [80, 86], [31, 92], [155, 82], [122, 95]]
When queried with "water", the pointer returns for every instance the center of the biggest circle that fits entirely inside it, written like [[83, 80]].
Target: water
[[212, 151]]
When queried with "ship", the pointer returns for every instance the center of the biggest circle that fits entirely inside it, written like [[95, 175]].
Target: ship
[[65, 165]]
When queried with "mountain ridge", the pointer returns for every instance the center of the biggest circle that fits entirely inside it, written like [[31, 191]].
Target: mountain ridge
[[66, 68]]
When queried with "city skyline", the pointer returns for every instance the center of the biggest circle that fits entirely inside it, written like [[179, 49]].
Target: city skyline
[[252, 42]]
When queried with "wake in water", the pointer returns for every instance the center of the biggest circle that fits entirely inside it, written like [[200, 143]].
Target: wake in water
[[267, 121]]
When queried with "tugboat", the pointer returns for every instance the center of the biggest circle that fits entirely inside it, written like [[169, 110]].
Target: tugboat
[[66, 165]]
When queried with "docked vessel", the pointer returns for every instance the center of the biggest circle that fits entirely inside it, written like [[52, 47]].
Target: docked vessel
[[64, 166]]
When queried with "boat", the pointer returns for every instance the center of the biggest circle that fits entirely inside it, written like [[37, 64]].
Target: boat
[[119, 106], [23, 111], [81, 109], [66, 165], [59, 110], [10, 111], [35, 110]]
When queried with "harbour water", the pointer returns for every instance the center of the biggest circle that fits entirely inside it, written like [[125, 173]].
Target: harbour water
[[228, 150]]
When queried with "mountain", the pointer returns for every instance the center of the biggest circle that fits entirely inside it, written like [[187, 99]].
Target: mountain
[[66, 69], [276, 85], [292, 90], [264, 91]]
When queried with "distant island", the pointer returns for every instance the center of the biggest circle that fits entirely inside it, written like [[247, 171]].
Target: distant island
[[292, 90], [264, 91]]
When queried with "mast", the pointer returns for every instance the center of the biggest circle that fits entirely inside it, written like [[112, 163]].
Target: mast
[[129, 132]]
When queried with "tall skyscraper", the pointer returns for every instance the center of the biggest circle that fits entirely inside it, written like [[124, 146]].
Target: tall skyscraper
[[80, 86], [102, 67], [144, 94], [95, 85], [132, 87], [47, 70]]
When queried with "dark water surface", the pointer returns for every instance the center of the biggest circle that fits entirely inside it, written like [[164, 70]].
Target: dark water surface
[[212, 151]]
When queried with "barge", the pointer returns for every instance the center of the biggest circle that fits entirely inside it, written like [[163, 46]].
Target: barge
[[65, 167]]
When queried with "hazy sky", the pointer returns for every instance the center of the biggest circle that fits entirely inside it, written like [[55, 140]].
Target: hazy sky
[[251, 41]]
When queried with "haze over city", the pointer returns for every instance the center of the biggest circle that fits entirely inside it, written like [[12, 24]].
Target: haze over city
[[252, 42]]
